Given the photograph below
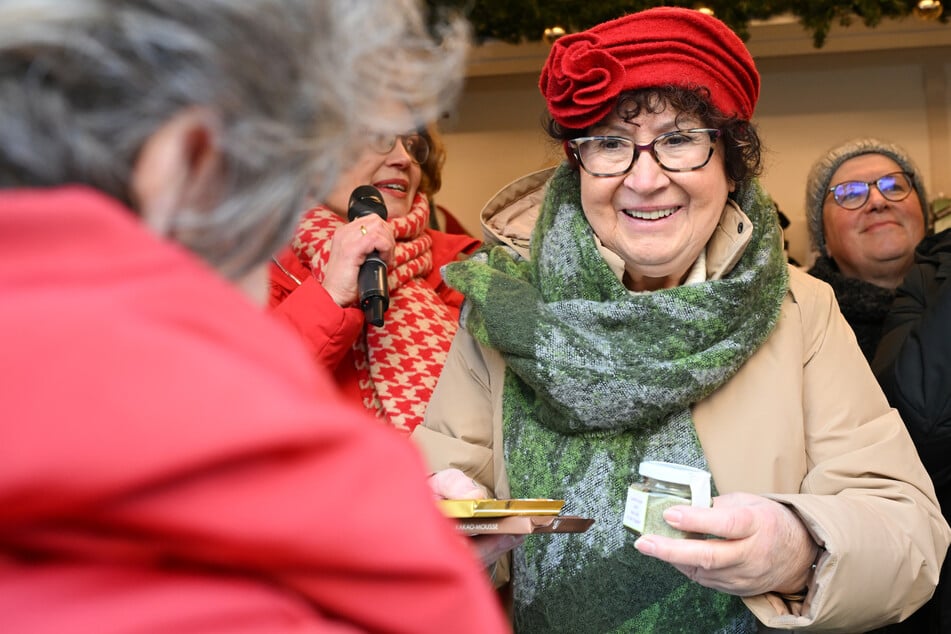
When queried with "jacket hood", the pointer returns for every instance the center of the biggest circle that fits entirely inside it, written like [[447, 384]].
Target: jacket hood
[[509, 216], [934, 249]]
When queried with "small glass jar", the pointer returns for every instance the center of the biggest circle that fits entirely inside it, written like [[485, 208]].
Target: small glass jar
[[664, 484]]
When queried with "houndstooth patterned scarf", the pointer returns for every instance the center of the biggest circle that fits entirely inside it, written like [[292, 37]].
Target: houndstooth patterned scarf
[[397, 364]]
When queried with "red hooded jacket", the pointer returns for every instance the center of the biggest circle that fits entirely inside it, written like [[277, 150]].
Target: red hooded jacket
[[173, 462]]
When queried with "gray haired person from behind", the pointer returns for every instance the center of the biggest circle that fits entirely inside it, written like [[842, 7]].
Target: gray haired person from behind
[[172, 460], [282, 87]]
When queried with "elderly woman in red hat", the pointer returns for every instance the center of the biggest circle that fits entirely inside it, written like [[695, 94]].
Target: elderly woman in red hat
[[649, 316]]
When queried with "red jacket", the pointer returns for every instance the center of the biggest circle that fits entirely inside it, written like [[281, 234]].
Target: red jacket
[[173, 463], [330, 330]]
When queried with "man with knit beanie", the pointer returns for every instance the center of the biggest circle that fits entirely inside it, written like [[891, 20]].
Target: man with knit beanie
[[866, 210]]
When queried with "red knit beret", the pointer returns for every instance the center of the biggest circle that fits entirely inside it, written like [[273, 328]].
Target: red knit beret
[[585, 72]]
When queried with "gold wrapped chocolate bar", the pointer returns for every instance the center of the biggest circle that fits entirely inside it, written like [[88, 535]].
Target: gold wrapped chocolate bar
[[513, 517], [490, 507]]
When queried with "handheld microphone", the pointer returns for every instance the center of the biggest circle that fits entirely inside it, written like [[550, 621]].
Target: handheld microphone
[[371, 280]]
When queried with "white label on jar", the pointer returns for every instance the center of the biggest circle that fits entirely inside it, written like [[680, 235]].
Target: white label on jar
[[635, 510]]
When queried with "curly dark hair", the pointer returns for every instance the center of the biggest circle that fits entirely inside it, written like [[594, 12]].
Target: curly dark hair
[[742, 147], [431, 179]]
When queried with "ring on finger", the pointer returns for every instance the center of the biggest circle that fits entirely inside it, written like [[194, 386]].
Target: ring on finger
[[363, 230]]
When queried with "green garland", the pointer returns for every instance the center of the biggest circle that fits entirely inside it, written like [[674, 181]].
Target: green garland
[[518, 21]]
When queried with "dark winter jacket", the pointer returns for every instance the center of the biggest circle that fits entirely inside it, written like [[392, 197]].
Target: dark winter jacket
[[863, 304], [913, 365]]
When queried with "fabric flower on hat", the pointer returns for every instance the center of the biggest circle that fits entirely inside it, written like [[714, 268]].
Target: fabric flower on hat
[[581, 75], [586, 72]]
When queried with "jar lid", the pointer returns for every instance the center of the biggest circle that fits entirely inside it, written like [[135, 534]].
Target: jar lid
[[697, 479]]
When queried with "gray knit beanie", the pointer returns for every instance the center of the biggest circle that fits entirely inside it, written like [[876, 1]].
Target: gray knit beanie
[[817, 185]]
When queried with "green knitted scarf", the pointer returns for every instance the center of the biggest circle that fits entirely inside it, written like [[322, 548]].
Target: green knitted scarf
[[597, 380]]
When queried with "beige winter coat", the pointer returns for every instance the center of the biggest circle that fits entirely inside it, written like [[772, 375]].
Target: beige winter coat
[[803, 422]]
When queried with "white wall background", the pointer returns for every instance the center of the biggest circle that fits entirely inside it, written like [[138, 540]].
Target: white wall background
[[891, 82]]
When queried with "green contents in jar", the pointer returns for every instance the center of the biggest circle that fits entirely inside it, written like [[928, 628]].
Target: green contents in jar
[[664, 485], [654, 523]]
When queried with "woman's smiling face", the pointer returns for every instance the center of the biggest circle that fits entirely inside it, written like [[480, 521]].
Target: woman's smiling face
[[394, 174], [657, 221]]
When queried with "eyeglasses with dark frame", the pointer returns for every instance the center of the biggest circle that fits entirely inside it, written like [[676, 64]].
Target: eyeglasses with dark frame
[[416, 145], [895, 186], [677, 151]]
